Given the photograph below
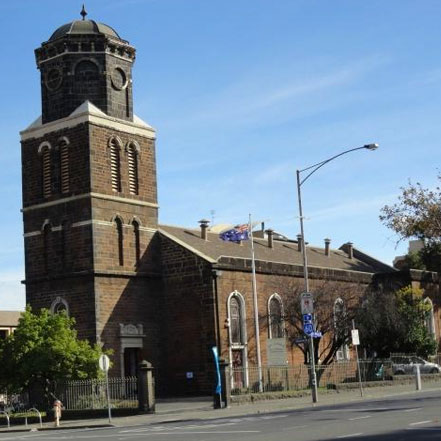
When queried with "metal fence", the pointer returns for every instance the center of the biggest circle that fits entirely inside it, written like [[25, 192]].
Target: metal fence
[[292, 378], [92, 394]]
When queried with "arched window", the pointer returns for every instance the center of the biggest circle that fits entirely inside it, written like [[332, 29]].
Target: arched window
[[132, 158], [236, 322], [136, 240], [429, 319], [340, 329], [115, 163], [45, 152], [47, 229], [120, 240], [59, 305], [64, 165], [275, 317]]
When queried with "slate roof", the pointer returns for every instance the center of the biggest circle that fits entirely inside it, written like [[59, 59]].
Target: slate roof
[[84, 27], [9, 318], [215, 248]]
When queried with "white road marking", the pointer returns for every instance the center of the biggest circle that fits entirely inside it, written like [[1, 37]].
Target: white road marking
[[413, 410], [360, 418], [350, 435], [420, 422]]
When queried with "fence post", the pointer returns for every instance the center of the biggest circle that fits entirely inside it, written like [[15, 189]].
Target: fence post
[[146, 389]]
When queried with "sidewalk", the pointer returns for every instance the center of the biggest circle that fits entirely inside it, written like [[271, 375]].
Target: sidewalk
[[201, 408]]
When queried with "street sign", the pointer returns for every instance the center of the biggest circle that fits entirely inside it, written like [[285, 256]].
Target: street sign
[[300, 340], [104, 362], [306, 303], [316, 334], [308, 328], [307, 318], [355, 337]]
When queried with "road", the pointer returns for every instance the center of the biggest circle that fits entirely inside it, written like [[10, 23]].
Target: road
[[404, 418]]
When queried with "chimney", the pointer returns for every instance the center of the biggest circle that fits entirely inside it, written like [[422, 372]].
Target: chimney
[[270, 232], [327, 244], [299, 242], [350, 249], [204, 227]]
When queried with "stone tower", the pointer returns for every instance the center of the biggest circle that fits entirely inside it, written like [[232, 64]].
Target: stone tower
[[90, 195]]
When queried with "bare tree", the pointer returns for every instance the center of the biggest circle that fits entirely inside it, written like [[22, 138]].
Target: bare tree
[[335, 306]]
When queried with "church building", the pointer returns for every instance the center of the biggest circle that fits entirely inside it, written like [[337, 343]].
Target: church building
[[94, 248]]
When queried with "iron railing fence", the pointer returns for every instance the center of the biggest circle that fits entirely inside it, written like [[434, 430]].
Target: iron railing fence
[[91, 394], [296, 377]]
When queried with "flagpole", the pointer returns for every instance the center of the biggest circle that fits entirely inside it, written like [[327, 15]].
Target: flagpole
[[256, 310]]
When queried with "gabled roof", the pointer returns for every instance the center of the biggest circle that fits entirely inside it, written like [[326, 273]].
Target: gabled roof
[[285, 252], [9, 318]]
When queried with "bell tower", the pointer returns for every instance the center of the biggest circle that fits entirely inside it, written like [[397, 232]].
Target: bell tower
[[85, 60], [90, 209]]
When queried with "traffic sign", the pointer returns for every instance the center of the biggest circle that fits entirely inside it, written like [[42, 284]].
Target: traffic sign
[[308, 328], [307, 318], [355, 337], [300, 340], [306, 303], [104, 362]]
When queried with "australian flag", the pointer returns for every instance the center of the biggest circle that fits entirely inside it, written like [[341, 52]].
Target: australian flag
[[236, 234]]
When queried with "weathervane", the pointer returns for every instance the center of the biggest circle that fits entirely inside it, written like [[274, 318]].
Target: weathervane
[[83, 12]]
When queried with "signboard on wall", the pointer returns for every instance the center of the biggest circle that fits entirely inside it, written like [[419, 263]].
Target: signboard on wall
[[276, 351]]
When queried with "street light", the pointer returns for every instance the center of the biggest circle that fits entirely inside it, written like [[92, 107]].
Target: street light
[[313, 168]]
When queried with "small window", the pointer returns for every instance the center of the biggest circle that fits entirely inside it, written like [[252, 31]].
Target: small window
[[120, 240], [137, 243], [47, 229], [115, 163], [132, 157], [59, 305], [64, 165]]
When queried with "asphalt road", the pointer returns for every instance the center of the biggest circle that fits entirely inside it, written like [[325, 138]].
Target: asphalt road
[[405, 418]]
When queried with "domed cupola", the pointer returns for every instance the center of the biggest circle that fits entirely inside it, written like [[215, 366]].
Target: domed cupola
[[85, 60]]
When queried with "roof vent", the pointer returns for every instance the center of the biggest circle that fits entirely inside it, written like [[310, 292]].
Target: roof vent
[[204, 227], [327, 247], [350, 250], [299, 242], [270, 232]]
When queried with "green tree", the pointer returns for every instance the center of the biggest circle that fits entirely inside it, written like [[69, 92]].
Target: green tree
[[417, 214], [45, 349], [395, 322]]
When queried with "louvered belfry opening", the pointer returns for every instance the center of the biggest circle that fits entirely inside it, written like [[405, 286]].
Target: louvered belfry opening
[[64, 166], [115, 164], [132, 156], [46, 172]]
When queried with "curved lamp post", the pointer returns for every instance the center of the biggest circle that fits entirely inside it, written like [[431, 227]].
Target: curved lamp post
[[312, 169]]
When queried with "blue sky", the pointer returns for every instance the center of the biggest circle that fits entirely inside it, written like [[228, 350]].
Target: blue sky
[[243, 93]]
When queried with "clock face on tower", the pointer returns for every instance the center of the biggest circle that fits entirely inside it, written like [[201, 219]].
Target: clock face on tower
[[119, 79], [54, 78]]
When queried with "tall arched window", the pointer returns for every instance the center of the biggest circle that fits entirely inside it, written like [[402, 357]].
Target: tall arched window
[[236, 321], [46, 245], [64, 165], [120, 240], [115, 163], [275, 317], [429, 319], [45, 152], [340, 328], [132, 158], [136, 240]]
